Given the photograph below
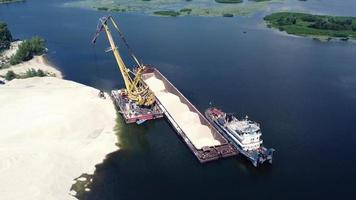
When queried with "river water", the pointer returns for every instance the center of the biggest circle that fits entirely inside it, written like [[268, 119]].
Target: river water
[[302, 91]]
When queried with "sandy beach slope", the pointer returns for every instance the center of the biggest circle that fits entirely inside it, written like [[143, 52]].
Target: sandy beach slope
[[37, 62], [51, 131]]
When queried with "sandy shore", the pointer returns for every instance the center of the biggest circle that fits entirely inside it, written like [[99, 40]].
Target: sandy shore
[[52, 131], [38, 62]]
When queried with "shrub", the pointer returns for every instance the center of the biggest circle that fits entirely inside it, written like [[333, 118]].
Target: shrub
[[188, 10], [33, 73], [229, 1], [287, 21], [228, 15], [309, 18], [354, 27], [10, 75], [332, 24], [167, 13], [5, 36], [342, 35], [27, 50], [103, 8]]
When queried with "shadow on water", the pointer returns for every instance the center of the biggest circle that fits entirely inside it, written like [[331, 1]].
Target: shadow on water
[[153, 162], [130, 136]]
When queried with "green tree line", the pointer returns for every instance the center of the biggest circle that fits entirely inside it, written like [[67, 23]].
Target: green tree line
[[28, 49], [5, 36]]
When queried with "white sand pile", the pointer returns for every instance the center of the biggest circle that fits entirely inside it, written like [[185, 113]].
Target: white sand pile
[[199, 134], [37, 62], [51, 131]]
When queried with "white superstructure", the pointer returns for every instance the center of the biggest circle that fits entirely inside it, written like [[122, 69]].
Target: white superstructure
[[246, 133]]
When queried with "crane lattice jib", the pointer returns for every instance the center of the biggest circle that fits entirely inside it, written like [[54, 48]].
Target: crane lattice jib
[[135, 90]]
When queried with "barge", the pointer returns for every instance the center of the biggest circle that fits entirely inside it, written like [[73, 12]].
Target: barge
[[244, 134], [131, 112], [206, 143]]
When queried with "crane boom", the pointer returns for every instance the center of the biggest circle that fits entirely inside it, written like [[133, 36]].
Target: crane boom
[[134, 88], [121, 65]]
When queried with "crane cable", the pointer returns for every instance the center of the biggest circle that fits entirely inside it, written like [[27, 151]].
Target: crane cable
[[95, 61], [125, 42]]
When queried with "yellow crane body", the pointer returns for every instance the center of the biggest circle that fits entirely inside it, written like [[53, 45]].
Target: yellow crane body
[[134, 88]]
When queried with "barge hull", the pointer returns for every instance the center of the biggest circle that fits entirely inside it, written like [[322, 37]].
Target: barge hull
[[206, 153], [255, 158], [133, 113]]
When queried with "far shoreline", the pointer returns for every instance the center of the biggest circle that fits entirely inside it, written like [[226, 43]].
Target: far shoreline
[[323, 28], [12, 1]]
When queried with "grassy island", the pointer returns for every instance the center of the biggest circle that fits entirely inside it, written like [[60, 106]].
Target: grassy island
[[10, 1], [167, 13], [259, 0], [229, 1], [175, 8], [313, 25]]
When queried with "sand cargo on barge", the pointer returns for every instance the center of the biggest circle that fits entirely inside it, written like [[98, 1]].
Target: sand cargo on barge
[[202, 138]]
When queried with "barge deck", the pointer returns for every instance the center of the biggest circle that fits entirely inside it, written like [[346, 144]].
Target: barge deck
[[202, 138], [133, 113]]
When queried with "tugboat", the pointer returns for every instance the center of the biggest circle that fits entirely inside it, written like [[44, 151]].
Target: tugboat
[[244, 134]]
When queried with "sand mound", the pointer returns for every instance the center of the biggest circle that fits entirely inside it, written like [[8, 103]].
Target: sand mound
[[199, 134], [52, 131]]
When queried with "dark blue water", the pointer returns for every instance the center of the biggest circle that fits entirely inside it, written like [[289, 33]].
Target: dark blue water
[[302, 91]]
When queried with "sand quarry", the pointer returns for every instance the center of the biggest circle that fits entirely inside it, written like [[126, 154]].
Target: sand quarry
[[52, 131], [199, 134]]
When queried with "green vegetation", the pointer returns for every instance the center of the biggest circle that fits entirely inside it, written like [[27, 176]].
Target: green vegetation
[[5, 36], [103, 8], [228, 15], [33, 73], [10, 1], [27, 50], [228, 1], [167, 13], [118, 10], [10, 75], [198, 7], [313, 25], [186, 10], [29, 73]]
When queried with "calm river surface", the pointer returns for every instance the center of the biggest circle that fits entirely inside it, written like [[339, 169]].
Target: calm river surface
[[302, 91]]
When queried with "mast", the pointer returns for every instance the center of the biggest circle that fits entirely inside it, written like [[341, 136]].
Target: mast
[[121, 65], [134, 89]]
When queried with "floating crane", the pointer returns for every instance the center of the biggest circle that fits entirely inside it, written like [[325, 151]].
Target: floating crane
[[136, 102], [134, 89]]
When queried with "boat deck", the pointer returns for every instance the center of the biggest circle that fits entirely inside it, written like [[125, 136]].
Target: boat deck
[[133, 113], [202, 138]]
